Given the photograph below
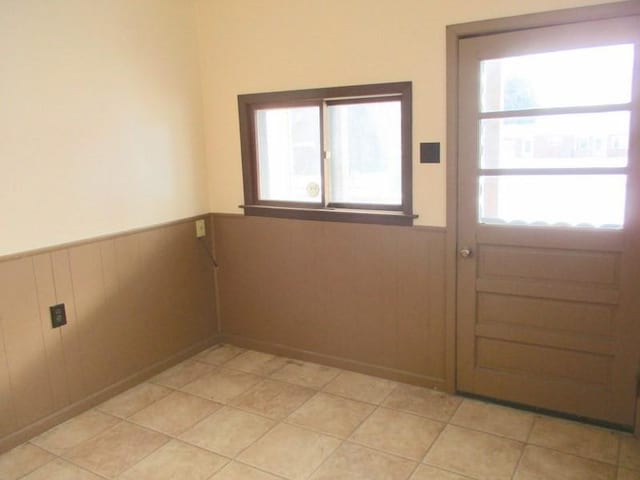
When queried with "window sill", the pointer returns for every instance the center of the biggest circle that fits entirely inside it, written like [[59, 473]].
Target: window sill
[[331, 215]]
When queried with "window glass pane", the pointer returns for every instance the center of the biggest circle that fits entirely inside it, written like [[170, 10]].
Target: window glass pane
[[586, 76], [555, 141], [569, 200], [365, 153], [288, 146]]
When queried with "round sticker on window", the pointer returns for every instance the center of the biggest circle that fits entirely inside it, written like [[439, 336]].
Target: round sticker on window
[[313, 189]]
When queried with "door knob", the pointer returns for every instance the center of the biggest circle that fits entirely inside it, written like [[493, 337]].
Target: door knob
[[465, 252]]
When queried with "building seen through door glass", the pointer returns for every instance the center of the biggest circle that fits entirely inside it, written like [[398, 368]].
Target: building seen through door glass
[[554, 137]]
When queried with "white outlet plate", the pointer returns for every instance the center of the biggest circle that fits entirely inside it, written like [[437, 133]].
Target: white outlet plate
[[201, 230]]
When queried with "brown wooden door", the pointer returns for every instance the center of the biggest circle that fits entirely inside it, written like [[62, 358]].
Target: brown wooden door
[[548, 218]]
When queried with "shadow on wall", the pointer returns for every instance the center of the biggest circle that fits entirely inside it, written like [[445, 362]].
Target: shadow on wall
[[132, 301]]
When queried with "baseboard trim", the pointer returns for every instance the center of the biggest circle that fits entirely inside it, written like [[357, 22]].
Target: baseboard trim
[[338, 362], [42, 425]]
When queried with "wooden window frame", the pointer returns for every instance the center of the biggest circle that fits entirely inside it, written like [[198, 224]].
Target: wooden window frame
[[326, 211]]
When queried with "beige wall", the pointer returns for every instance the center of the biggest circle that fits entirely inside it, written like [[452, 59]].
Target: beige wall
[[252, 46], [100, 118], [101, 125]]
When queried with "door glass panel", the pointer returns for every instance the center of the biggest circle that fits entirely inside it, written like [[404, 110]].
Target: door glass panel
[[556, 141], [288, 145], [580, 77], [366, 153], [562, 200]]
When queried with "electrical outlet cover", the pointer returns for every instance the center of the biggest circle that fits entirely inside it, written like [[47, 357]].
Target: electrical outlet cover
[[58, 315], [201, 230]]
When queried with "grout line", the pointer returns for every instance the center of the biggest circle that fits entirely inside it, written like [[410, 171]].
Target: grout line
[[144, 457], [517, 466], [39, 466], [579, 457], [68, 449], [261, 414], [485, 432], [455, 411], [240, 462], [435, 440], [345, 397], [574, 454], [385, 452], [349, 439], [619, 452], [413, 472], [326, 459], [524, 448], [284, 421], [462, 475], [257, 439], [530, 432], [386, 397], [84, 469], [210, 477], [287, 420]]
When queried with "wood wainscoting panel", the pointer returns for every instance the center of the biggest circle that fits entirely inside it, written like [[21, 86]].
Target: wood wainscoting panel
[[7, 401], [73, 362], [135, 302], [93, 283], [23, 341], [46, 291], [368, 296]]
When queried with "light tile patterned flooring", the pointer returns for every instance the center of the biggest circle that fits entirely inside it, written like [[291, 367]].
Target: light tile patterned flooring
[[229, 414]]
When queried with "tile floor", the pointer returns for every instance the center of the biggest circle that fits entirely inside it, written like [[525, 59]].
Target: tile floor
[[229, 414]]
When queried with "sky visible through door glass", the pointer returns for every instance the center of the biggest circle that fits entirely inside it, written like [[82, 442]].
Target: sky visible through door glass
[[599, 80], [568, 78]]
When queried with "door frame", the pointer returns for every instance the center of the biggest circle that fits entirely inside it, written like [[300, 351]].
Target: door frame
[[454, 33]]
